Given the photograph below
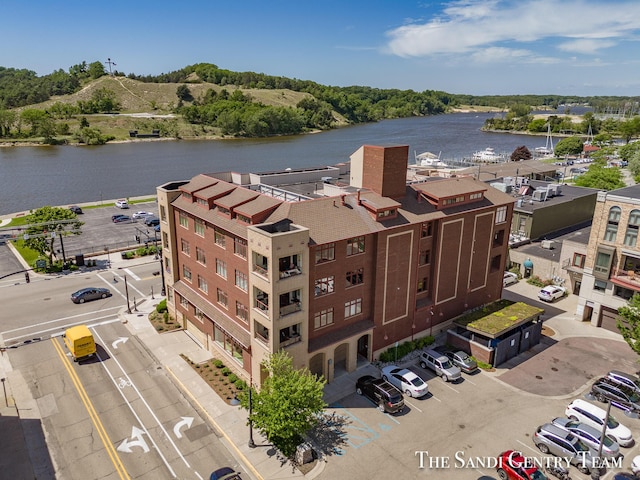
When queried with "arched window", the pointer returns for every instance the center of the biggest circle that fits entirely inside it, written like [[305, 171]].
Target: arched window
[[631, 237], [612, 224]]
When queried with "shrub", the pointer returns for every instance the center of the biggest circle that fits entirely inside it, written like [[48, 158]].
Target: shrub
[[484, 366], [425, 341], [240, 384], [233, 378], [218, 363], [225, 371], [162, 306]]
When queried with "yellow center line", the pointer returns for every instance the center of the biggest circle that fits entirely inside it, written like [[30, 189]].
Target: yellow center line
[[111, 451]]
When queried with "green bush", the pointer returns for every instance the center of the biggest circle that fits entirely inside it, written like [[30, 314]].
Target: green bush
[[233, 377], [240, 384], [218, 363], [162, 306], [391, 355], [225, 371]]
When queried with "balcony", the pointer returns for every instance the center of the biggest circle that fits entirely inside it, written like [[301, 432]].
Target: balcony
[[627, 278], [260, 270], [290, 340], [290, 308], [290, 272]]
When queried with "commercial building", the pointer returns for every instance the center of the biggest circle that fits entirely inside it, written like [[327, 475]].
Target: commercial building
[[252, 268], [611, 272]]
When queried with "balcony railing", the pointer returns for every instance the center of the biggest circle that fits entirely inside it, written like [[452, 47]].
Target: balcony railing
[[291, 308], [262, 338], [290, 341], [263, 307], [290, 273], [260, 270]]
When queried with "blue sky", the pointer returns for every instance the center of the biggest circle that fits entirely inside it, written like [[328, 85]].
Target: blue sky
[[490, 47]]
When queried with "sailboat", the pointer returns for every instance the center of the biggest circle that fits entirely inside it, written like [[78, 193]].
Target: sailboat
[[547, 150]]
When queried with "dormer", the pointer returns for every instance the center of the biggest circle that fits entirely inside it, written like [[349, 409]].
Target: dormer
[[380, 208], [451, 192]]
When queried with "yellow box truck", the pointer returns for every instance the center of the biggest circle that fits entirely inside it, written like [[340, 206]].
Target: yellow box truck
[[80, 342]]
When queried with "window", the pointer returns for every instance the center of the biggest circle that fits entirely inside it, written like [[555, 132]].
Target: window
[[200, 256], [219, 238], [202, 284], [184, 246], [221, 268], [241, 280], [186, 272], [578, 260], [325, 253], [355, 246], [352, 308], [242, 312], [165, 240], [611, 231], [427, 229], [354, 278], [222, 298], [631, 236], [199, 227], [495, 263], [501, 215], [184, 302], [323, 318], [163, 213], [240, 247], [425, 257], [422, 285], [600, 285], [603, 264], [243, 218], [386, 213], [199, 313], [202, 202], [324, 286], [184, 220], [476, 196], [451, 201], [498, 238]]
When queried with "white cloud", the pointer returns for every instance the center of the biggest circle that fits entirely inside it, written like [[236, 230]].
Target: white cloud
[[474, 27]]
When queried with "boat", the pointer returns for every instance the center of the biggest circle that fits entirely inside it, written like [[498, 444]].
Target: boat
[[430, 160], [488, 155], [547, 150]]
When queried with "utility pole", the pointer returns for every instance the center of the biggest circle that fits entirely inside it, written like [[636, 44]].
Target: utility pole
[[110, 63]]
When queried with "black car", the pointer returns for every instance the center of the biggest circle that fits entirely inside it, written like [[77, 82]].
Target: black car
[[75, 209], [387, 397], [121, 218], [90, 293], [225, 473], [152, 221], [622, 397]]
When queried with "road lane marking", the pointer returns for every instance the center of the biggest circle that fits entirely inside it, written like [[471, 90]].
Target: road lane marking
[[62, 319], [132, 275], [59, 332], [130, 383], [106, 441]]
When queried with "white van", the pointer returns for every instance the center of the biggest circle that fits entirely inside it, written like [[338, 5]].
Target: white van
[[594, 416], [440, 364]]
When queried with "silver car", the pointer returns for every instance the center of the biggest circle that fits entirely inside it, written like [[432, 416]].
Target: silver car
[[552, 439], [590, 436], [626, 379]]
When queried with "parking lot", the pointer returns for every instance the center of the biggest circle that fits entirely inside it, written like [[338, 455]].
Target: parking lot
[[458, 429]]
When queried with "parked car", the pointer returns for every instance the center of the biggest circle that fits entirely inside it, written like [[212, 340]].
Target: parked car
[[595, 416], [225, 473], [589, 436], [509, 278], [635, 465], [459, 358], [120, 218], [626, 379], [75, 209], [122, 204], [142, 214], [625, 476], [387, 397], [513, 466], [619, 395], [551, 439], [151, 221], [440, 364], [157, 228], [90, 293], [551, 293], [405, 380]]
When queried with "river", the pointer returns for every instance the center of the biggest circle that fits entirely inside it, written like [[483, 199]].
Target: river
[[31, 177]]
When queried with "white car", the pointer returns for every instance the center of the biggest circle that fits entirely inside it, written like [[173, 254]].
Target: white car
[[122, 204], [509, 278], [551, 293], [594, 416], [405, 380], [142, 214]]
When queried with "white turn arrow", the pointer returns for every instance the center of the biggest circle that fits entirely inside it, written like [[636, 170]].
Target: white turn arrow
[[138, 441], [185, 421], [119, 340]]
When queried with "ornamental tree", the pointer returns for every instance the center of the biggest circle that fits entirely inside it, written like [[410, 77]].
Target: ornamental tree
[[521, 153], [288, 404], [46, 220], [630, 328]]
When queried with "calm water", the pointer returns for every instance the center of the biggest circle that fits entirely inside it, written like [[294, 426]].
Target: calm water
[[31, 177]]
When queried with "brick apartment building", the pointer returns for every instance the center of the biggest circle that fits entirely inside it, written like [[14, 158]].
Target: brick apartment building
[[611, 272], [332, 280]]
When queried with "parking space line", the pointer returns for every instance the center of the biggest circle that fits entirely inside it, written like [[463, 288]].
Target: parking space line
[[413, 406], [528, 446], [435, 398], [447, 385]]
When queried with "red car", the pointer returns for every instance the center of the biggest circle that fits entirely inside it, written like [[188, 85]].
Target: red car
[[513, 466]]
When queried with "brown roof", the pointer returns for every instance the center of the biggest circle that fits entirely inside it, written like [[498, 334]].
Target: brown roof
[[259, 204], [450, 187], [237, 197], [215, 191], [198, 183]]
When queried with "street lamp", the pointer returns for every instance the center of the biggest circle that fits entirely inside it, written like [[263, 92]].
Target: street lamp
[[163, 292], [251, 443]]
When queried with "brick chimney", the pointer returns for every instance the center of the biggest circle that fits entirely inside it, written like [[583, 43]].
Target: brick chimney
[[381, 169]]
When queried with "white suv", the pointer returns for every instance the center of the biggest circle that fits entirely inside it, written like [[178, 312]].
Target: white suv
[[594, 416], [122, 204]]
